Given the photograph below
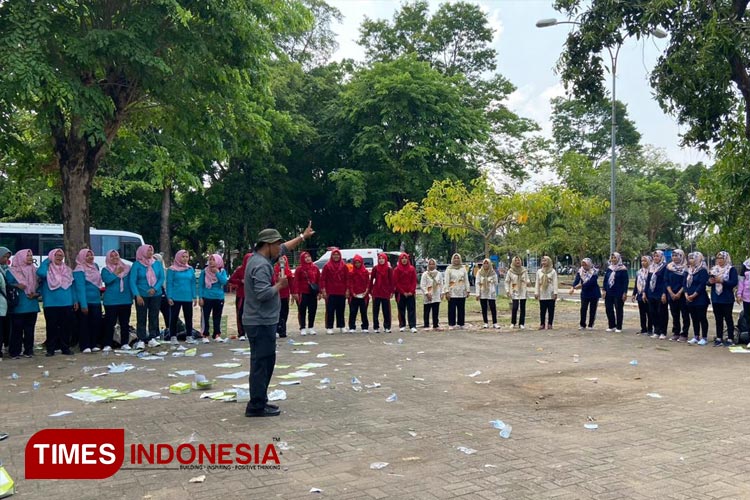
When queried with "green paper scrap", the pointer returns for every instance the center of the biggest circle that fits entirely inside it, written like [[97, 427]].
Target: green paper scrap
[[98, 394], [283, 367], [191, 352], [329, 355], [287, 376], [739, 349], [228, 365], [308, 366]]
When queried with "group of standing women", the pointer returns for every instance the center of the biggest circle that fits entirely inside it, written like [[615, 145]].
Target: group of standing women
[[73, 296]]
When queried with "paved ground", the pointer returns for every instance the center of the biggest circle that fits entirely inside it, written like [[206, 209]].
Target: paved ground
[[691, 443]]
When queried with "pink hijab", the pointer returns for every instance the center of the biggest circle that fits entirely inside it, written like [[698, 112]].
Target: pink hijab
[[90, 270], [24, 273], [210, 276], [58, 276], [113, 267], [177, 265], [140, 256]]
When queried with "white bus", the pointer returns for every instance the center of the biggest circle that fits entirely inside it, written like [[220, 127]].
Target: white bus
[[43, 238]]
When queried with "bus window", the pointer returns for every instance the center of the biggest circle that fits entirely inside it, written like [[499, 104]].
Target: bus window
[[96, 244], [108, 243], [49, 242], [19, 241], [128, 247]]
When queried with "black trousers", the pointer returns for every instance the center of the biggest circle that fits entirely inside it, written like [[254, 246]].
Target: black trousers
[[358, 305], [148, 311], [614, 306], [59, 320], [722, 314], [588, 306], [239, 305], [433, 309], [308, 307], [456, 311], [699, 318], [119, 313], [22, 334], [518, 305], [385, 304], [283, 316], [6, 327], [212, 309], [174, 315], [659, 315], [485, 303], [335, 306], [647, 326], [407, 311], [89, 326], [680, 317], [547, 308], [262, 340]]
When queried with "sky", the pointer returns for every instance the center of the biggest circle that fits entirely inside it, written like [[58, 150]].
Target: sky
[[527, 56]]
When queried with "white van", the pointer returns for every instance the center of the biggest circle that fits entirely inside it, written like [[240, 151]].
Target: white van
[[369, 256]]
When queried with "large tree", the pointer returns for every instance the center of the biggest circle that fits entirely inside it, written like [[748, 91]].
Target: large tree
[[84, 69], [702, 75]]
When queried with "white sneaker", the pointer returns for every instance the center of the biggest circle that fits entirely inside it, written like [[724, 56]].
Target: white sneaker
[[303, 331], [107, 348], [206, 340], [403, 328], [329, 331], [387, 330], [86, 351], [365, 330], [451, 327], [486, 325], [218, 339], [662, 337], [312, 331], [413, 330], [609, 330], [140, 345], [153, 343], [342, 330], [126, 347], [242, 338], [191, 340], [174, 340], [496, 326], [95, 349], [523, 327], [704, 342], [693, 341], [618, 331], [377, 330]]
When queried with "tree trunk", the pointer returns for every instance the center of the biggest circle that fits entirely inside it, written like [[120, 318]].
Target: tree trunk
[[165, 243], [76, 191]]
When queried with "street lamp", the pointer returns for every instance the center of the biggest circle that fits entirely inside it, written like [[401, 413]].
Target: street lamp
[[658, 33]]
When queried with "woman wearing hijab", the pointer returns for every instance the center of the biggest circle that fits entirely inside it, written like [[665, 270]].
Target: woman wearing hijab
[[696, 297], [22, 275], [615, 292], [333, 285], [456, 290], [586, 278], [238, 281], [59, 299], [656, 295], [405, 284], [516, 286], [284, 293], [359, 294], [723, 279], [545, 291], [675, 278], [118, 300], [431, 284], [87, 281], [639, 296], [743, 292], [212, 280], [486, 291], [381, 288], [306, 289], [181, 294], [146, 278]]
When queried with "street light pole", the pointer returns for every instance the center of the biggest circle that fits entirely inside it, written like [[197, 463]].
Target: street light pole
[[658, 33]]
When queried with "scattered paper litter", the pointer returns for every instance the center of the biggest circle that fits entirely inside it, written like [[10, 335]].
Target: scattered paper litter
[[207, 355], [197, 479], [378, 465], [120, 368], [284, 446], [542, 362], [185, 373], [228, 365], [297, 374], [191, 352], [241, 350], [316, 490], [592, 427], [142, 393], [99, 374], [738, 349], [277, 395], [476, 373], [504, 428], [309, 342], [654, 395], [242, 386], [290, 382], [410, 459], [308, 366], [329, 355], [412, 434], [468, 451], [300, 352], [60, 413], [482, 381], [234, 376], [282, 367], [151, 357], [374, 385]]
